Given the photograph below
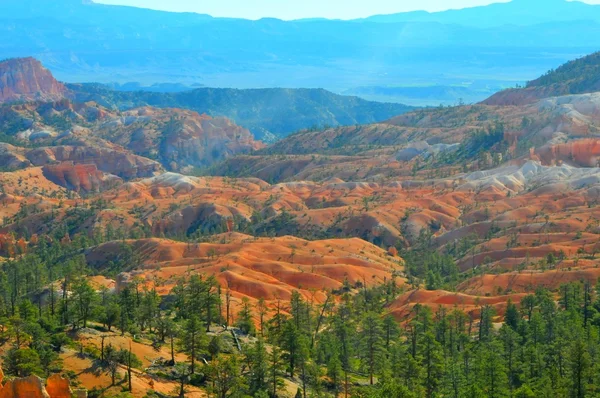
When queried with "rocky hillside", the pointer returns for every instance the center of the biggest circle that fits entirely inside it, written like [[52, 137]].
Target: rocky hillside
[[575, 77], [267, 113], [131, 144], [433, 143], [25, 79], [466, 210], [179, 139]]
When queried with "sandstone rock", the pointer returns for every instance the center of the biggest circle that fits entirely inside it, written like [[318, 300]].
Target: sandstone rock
[[33, 387], [25, 79], [12, 157], [584, 153], [30, 387], [80, 177], [181, 139], [57, 387], [119, 163]]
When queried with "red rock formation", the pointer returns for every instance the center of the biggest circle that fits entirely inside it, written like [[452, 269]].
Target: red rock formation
[[33, 387], [79, 177], [402, 307], [585, 153], [12, 157], [117, 162], [257, 267], [25, 79], [180, 138], [57, 387], [30, 387]]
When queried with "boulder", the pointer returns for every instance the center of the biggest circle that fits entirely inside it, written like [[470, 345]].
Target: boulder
[[57, 387], [29, 387]]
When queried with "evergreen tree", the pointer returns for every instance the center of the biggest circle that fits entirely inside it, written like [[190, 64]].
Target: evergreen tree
[[580, 365], [85, 300], [276, 371], [512, 316], [225, 376], [432, 363], [22, 362], [259, 371], [372, 343], [291, 343], [244, 321], [193, 340]]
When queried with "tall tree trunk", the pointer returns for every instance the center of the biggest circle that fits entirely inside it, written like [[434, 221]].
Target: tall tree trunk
[[129, 369], [172, 349]]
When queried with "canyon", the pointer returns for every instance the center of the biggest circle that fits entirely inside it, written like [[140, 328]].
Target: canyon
[[469, 208]]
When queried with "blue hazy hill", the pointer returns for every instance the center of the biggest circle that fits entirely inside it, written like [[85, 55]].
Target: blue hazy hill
[[516, 12], [83, 41]]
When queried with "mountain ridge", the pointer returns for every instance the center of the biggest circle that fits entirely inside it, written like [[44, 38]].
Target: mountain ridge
[[268, 113], [515, 12], [124, 44], [579, 76], [516, 7]]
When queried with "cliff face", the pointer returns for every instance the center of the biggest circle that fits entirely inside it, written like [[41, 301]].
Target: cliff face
[[180, 139], [131, 144], [80, 177], [25, 79], [120, 163], [33, 387], [580, 153]]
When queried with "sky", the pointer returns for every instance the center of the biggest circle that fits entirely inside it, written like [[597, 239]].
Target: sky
[[296, 9]]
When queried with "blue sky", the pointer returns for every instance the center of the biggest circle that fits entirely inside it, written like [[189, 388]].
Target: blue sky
[[294, 9]]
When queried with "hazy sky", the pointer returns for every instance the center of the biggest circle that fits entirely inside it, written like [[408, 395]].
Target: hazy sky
[[294, 9]]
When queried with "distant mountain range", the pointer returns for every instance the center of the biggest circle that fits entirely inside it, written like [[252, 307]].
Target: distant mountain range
[[515, 12], [478, 51]]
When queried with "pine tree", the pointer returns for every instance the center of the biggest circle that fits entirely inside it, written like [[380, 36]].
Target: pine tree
[[211, 300], [261, 308], [84, 299], [182, 374], [22, 362], [226, 380], [432, 363], [258, 375], [334, 372], [276, 371], [512, 316], [579, 367], [391, 331], [372, 343], [492, 371], [245, 322], [510, 340], [291, 337], [193, 340]]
